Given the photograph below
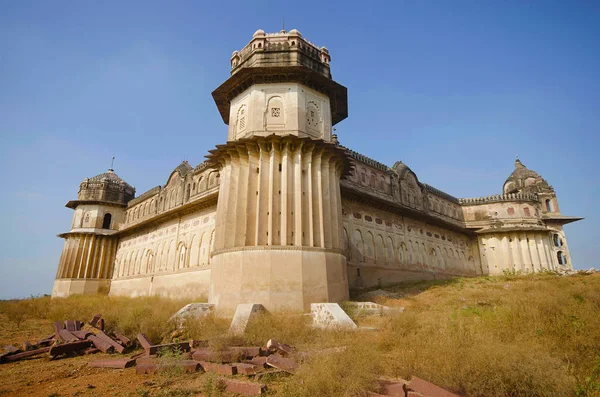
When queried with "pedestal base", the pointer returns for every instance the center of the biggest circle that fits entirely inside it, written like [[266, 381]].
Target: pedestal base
[[279, 277]]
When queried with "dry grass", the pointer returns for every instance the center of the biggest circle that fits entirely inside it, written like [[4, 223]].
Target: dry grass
[[536, 335], [128, 316]]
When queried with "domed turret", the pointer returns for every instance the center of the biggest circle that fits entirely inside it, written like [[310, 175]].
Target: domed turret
[[107, 187], [522, 179]]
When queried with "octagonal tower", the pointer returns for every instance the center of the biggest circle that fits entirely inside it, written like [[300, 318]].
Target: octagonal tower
[[88, 256], [279, 226]]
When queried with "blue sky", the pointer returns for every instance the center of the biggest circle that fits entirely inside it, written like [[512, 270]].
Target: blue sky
[[453, 89]]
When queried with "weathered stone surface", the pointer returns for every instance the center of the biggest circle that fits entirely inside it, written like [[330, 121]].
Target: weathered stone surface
[[245, 368], [118, 364], [71, 347], [260, 361], [392, 388], [428, 389], [125, 341], [19, 356], [244, 313], [245, 388], [330, 315], [94, 321], [66, 336], [82, 334], [221, 356], [282, 363], [192, 311], [118, 347], [281, 348], [70, 325], [219, 369], [101, 344], [144, 342]]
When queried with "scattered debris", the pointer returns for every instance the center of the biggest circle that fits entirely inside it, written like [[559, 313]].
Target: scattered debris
[[571, 272], [118, 364], [70, 337], [330, 315], [282, 363], [244, 313]]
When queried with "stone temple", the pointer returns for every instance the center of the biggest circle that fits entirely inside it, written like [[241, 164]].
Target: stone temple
[[283, 215]]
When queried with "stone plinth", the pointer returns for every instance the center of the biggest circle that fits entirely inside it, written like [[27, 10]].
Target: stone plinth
[[243, 315], [330, 316]]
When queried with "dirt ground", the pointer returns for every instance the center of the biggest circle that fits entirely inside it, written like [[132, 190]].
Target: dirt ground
[[71, 375]]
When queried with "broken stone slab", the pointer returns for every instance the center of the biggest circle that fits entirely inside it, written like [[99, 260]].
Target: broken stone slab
[[117, 346], [192, 311], [82, 334], [259, 361], [28, 354], [101, 344], [275, 347], [70, 347], [245, 388], [152, 368], [94, 321], [222, 356], [374, 309], [245, 369], [244, 313], [117, 364], [125, 341], [282, 363], [219, 369], [66, 336], [392, 387], [70, 325], [330, 316], [426, 388], [144, 342]]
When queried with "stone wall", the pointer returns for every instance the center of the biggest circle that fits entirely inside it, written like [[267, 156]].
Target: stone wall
[[387, 247], [158, 252]]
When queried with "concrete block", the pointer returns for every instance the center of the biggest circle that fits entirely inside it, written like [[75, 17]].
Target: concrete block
[[330, 315], [244, 313]]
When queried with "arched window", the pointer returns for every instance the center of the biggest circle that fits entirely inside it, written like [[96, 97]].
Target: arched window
[[562, 260], [106, 221], [557, 240], [187, 192], [548, 205]]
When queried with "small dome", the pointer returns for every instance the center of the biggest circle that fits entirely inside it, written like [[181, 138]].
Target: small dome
[[259, 33], [235, 53], [106, 176], [106, 187], [325, 50], [521, 178], [295, 32]]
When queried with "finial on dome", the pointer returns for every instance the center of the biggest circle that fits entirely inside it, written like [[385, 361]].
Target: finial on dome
[[518, 163], [112, 164]]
